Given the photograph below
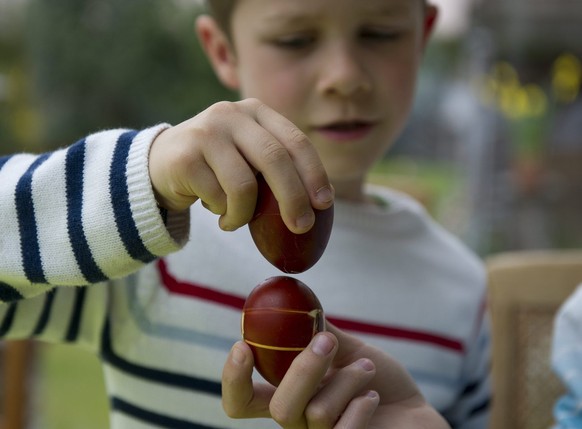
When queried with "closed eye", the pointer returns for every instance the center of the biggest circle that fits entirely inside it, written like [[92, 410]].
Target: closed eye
[[380, 35], [294, 42]]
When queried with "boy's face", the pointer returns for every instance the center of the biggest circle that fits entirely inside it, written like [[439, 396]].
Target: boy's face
[[343, 71]]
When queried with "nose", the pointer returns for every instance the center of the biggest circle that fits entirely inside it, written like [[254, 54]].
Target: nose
[[343, 72]]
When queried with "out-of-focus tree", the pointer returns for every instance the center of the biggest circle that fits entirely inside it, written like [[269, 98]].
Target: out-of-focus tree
[[109, 63], [18, 129]]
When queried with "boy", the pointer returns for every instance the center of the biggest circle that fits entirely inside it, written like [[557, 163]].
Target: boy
[[343, 72]]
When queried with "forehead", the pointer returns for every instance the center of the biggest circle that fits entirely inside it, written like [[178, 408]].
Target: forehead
[[290, 10]]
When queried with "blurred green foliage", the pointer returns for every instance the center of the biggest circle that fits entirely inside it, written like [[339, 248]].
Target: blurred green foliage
[[66, 402], [13, 86], [95, 64], [431, 182]]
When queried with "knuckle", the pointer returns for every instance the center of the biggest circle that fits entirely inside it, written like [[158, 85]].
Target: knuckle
[[250, 105], [319, 415], [190, 147], [254, 103], [273, 153], [260, 107], [221, 114], [246, 188], [230, 410], [316, 170], [280, 414], [231, 221], [297, 138], [215, 205], [223, 108]]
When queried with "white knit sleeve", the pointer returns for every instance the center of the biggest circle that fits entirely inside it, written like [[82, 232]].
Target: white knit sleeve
[[81, 215]]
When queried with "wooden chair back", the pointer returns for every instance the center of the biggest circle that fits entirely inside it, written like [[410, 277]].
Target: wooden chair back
[[525, 291]]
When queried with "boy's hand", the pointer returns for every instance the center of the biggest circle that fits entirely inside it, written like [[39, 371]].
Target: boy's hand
[[337, 382], [215, 155]]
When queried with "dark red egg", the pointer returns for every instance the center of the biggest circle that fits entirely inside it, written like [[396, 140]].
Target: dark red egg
[[279, 319], [289, 252]]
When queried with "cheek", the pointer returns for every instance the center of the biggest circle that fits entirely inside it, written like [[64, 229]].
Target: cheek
[[279, 87], [399, 88]]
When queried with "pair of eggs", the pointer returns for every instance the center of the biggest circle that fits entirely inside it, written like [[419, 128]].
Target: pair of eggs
[[282, 314]]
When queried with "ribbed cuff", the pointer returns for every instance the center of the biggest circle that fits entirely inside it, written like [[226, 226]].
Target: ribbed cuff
[[160, 238]]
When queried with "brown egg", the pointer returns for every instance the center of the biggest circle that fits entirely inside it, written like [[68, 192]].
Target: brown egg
[[289, 252], [279, 319]]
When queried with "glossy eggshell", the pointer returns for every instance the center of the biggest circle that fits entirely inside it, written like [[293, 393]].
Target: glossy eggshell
[[280, 317], [289, 252]]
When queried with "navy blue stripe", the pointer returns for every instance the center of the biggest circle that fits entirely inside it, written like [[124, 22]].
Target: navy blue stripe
[[154, 375], [30, 247], [8, 293], [45, 314], [120, 200], [8, 319], [4, 160], [480, 408], [151, 417], [75, 163], [75, 321], [470, 388]]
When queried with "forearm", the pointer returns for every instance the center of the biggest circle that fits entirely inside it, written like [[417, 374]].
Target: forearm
[[81, 215]]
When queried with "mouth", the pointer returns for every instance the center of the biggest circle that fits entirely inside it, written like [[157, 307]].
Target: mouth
[[346, 130], [346, 125]]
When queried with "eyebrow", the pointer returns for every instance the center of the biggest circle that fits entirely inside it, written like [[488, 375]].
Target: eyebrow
[[289, 17]]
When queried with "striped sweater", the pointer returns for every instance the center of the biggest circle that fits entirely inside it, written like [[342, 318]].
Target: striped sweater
[[161, 297]]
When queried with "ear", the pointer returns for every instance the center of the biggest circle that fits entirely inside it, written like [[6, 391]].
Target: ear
[[219, 51], [430, 18]]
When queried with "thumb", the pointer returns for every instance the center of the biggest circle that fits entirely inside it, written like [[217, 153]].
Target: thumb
[[241, 398]]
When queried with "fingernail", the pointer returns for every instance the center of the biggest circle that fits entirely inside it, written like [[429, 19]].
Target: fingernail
[[324, 195], [372, 394], [237, 355], [322, 345], [366, 364], [305, 220]]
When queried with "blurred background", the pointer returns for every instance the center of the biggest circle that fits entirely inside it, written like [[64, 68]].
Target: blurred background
[[493, 149]]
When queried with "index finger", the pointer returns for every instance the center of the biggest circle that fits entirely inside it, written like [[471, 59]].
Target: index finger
[[302, 381], [309, 166]]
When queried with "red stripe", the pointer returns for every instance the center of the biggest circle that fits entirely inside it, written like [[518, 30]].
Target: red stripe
[[392, 332], [195, 291], [178, 287]]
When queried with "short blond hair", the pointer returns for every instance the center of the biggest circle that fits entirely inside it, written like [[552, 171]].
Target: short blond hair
[[221, 11]]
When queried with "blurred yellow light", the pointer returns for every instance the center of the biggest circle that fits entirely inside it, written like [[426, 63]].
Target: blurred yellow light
[[566, 78], [505, 73]]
